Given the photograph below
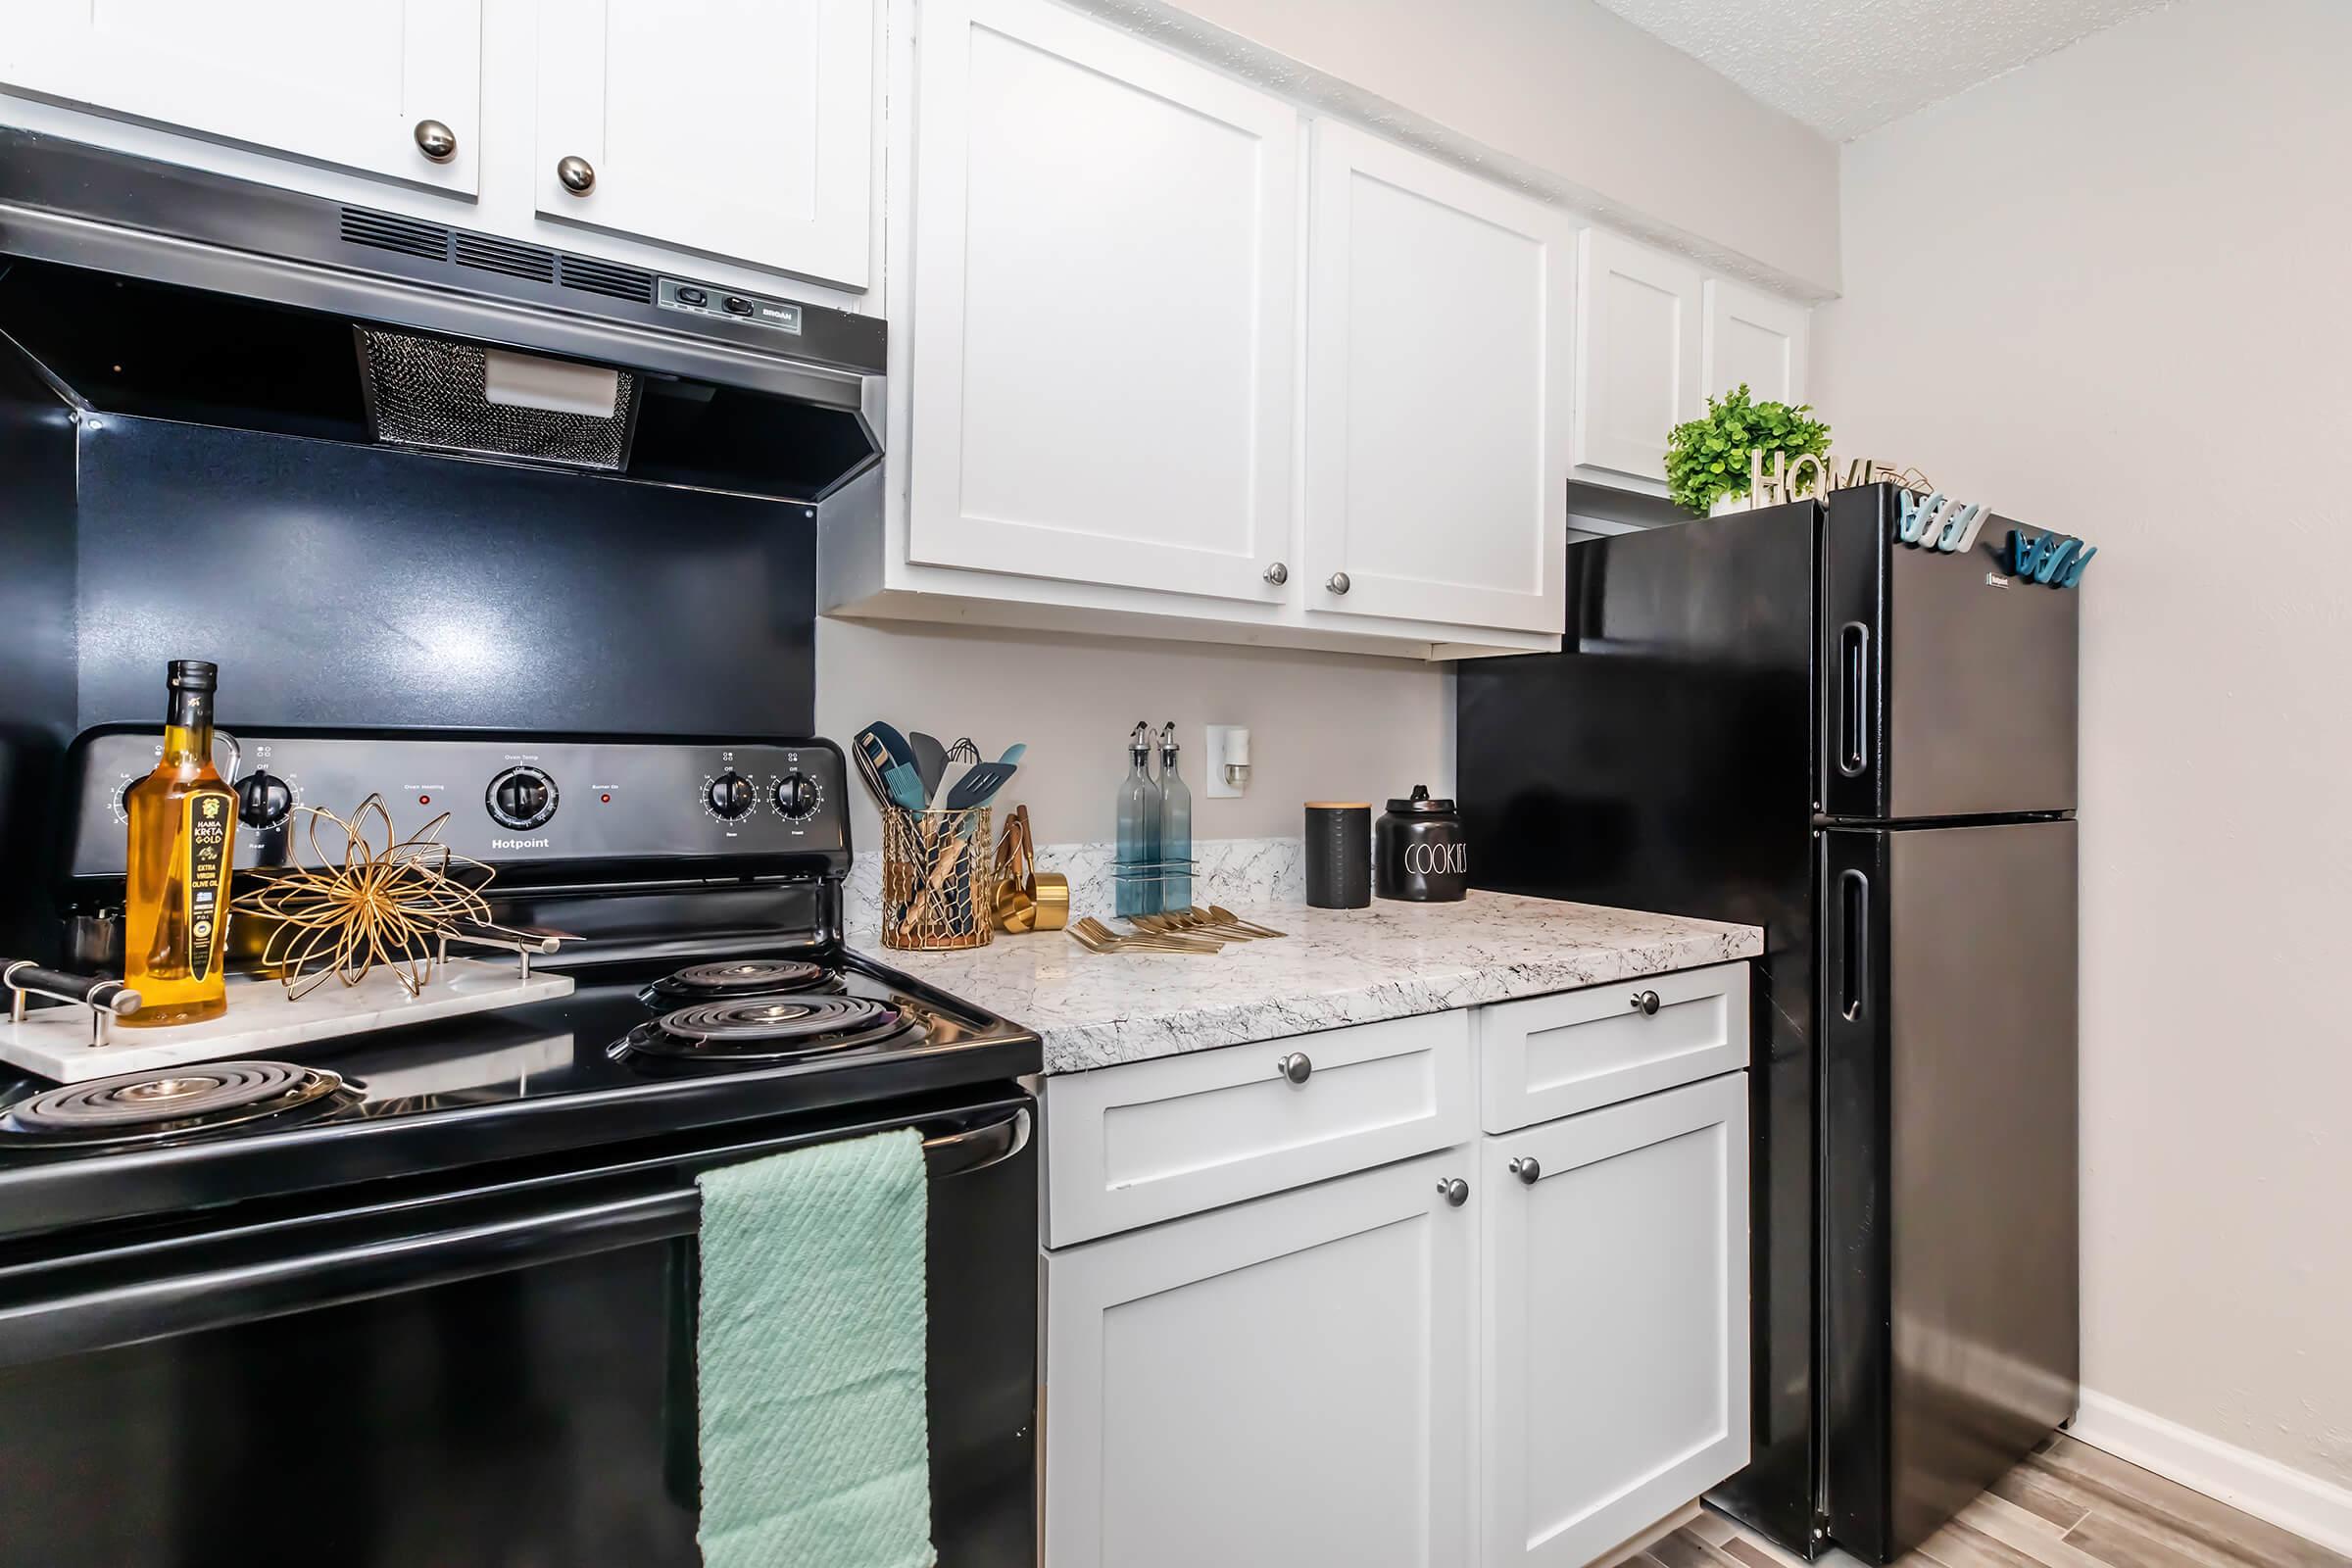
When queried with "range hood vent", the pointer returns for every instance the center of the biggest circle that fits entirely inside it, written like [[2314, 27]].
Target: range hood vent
[[488, 253], [149, 289]]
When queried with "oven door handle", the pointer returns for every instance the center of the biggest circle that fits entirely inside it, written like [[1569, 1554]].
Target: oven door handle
[[192, 1299], [975, 1148]]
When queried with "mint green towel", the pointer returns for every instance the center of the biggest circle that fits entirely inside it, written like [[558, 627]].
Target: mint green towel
[[816, 1441]]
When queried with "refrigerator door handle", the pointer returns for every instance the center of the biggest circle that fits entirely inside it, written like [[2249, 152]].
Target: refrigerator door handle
[[1853, 945], [1853, 698]]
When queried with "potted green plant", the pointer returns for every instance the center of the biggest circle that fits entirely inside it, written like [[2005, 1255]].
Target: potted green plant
[[1707, 460]]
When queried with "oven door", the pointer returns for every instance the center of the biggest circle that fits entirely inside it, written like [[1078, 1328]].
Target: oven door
[[496, 1376]]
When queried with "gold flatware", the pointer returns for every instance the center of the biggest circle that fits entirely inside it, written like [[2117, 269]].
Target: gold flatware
[[1160, 942], [1188, 922], [1228, 917], [1094, 942], [1092, 935]]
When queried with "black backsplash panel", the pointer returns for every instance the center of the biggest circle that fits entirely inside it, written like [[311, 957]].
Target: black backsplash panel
[[345, 585], [36, 639]]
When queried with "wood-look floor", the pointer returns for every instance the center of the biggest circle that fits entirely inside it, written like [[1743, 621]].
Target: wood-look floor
[[2068, 1505]]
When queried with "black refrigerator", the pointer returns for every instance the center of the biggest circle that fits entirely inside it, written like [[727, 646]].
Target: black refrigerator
[[1788, 719]]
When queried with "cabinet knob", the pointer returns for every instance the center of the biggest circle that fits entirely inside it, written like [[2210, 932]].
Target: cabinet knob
[[436, 140], [1645, 1004], [1278, 574], [1338, 583], [1526, 1169], [1294, 1067], [1457, 1191], [577, 174]]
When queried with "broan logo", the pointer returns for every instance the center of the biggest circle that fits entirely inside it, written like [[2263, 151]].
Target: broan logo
[[518, 844]]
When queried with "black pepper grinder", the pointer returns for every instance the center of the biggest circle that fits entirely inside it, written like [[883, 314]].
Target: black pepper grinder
[[1422, 855]]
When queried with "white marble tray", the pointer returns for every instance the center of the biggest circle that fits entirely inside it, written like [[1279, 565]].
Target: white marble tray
[[55, 1042]]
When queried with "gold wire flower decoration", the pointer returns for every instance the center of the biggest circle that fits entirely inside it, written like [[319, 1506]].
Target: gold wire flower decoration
[[391, 906]]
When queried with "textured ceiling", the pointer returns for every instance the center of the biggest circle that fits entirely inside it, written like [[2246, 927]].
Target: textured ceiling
[[1845, 67]]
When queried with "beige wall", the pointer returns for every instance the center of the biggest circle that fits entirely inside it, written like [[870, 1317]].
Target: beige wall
[[1571, 97], [2112, 291], [1322, 726]]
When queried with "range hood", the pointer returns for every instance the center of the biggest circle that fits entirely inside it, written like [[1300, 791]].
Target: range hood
[[149, 289]]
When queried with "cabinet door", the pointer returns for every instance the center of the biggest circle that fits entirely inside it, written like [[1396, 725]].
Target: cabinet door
[[1614, 1372], [1439, 308], [1106, 244], [343, 83], [1284, 1381], [1637, 355], [741, 128], [1757, 339]]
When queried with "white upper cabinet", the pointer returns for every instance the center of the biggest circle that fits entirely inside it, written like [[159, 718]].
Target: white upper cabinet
[[739, 128], [1440, 316], [1281, 1383], [1637, 360], [1104, 305], [1754, 339], [1615, 1379], [348, 83]]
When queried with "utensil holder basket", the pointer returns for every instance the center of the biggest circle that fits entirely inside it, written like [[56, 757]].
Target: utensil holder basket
[[937, 882]]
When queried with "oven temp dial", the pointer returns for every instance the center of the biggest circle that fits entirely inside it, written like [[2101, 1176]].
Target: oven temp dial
[[798, 796], [730, 796], [264, 800], [520, 798]]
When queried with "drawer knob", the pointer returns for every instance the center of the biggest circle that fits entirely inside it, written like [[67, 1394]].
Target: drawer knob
[[1526, 1169], [1457, 1191], [1294, 1067], [435, 140], [1645, 1004], [1278, 574], [1338, 583], [577, 174]]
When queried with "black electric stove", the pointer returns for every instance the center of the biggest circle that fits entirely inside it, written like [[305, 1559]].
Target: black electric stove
[[503, 1205], [621, 1059]]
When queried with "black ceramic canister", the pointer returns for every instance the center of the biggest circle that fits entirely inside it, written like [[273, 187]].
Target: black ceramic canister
[[1339, 854], [1422, 857]]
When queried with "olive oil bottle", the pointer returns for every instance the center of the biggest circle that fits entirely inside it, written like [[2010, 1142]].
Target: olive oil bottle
[[183, 829]]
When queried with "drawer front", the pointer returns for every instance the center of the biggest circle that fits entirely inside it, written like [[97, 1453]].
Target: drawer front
[[1131, 1146], [1553, 1056]]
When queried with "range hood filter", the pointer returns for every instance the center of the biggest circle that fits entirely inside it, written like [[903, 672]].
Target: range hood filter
[[435, 393]]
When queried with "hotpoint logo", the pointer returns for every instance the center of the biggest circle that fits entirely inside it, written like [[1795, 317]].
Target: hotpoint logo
[[517, 844]]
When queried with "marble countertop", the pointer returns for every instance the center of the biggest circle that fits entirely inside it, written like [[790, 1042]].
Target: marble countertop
[[1335, 967]]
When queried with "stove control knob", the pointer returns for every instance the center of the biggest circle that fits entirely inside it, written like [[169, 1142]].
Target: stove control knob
[[731, 796], [521, 798], [796, 795], [264, 800]]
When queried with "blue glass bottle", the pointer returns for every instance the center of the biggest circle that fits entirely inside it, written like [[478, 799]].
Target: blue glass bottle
[[1175, 828], [1133, 877]]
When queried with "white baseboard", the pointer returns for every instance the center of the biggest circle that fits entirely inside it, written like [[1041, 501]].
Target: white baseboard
[[2315, 1510]]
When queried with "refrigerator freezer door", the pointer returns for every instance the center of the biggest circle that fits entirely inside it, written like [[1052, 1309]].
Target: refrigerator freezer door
[[1947, 689], [1950, 1224]]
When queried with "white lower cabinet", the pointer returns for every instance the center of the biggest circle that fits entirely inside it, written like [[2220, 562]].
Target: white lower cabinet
[[1283, 1383], [1519, 1352], [1614, 1367]]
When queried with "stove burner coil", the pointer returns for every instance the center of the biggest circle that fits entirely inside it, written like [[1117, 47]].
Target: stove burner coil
[[747, 1031], [741, 977], [777, 1018], [133, 1105]]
